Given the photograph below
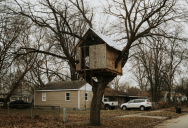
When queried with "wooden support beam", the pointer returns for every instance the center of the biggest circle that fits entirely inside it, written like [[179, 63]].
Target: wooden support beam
[[91, 79]]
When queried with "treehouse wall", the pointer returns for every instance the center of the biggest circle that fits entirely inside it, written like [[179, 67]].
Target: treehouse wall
[[112, 54], [78, 57], [101, 56], [97, 56]]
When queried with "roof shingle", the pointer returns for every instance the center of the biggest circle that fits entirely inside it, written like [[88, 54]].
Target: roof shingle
[[63, 85]]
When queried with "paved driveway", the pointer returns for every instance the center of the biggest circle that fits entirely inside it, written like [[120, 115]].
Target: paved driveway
[[180, 122]]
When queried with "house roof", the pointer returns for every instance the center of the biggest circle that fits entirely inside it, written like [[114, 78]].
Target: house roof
[[112, 92], [104, 38], [63, 85]]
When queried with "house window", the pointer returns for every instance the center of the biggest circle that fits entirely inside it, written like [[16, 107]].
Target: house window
[[86, 96], [67, 96], [43, 96]]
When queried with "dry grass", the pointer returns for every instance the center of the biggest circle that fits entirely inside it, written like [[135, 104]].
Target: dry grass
[[131, 122], [128, 122], [183, 108], [85, 115], [163, 114]]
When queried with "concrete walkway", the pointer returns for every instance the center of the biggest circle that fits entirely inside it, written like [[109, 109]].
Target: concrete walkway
[[131, 115], [180, 122]]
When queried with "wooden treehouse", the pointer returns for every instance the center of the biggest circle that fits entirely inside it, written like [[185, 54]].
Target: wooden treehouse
[[96, 54]]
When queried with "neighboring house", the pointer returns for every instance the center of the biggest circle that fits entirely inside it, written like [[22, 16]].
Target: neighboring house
[[22, 93], [67, 94], [120, 96], [2, 96], [163, 97], [19, 94]]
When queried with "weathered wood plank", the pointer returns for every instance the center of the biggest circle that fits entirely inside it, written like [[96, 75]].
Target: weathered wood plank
[[97, 55], [78, 57]]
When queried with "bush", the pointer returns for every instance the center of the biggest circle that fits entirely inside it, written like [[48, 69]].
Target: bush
[[163, 105]]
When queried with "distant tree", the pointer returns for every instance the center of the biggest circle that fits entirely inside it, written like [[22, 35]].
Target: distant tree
[[132, 90]]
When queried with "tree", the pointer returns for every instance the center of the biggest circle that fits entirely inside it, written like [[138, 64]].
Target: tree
[[13, 31], [151, 60], [183, 88], [115, 83], [66, 21], [133, 90]]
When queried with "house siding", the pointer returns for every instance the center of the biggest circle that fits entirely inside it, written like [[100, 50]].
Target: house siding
[[82, 99], [57, 98]]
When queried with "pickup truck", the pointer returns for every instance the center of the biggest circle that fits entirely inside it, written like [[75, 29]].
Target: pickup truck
[[19, 104], [110, 104]]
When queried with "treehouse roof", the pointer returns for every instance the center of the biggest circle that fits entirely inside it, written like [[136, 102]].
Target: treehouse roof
[[93, 37]]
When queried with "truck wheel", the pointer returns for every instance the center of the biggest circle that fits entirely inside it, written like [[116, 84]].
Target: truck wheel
[[124, 108], [112, 108], [107, 107], [142, 108]]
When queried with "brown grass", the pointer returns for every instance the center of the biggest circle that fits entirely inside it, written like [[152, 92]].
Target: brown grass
[[128, 122], [131, 122], [163, 114], [85, 115]]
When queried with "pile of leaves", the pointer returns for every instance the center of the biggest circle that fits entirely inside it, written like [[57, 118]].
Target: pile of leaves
[[163, 114], [25, 121], [128, 122], [184, 108], [46, 121], [163, 105], [85, 115]]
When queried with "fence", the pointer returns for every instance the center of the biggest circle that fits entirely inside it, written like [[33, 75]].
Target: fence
[[32, 113]]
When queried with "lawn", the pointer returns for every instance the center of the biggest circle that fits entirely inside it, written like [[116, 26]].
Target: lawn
[[131, 122], [46, 118], [85, 115], [168, 112], [184, 108], [74, 115], [128, 122]]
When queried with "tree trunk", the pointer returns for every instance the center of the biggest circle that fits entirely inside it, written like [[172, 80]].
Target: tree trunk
[[98, 92], [15, 86], [73, 73], [187, 98]]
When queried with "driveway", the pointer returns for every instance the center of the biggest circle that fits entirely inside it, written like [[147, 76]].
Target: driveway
[[180, 122]]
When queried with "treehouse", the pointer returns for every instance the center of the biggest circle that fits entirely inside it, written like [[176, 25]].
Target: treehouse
[[96, 54]]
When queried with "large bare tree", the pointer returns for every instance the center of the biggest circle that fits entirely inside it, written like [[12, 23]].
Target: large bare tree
[[66, 21]]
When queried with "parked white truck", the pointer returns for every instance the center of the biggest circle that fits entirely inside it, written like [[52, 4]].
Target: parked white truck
[[109, 104]]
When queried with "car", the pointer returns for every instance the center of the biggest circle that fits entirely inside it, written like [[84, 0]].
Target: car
[[142, 104], [19, 104]]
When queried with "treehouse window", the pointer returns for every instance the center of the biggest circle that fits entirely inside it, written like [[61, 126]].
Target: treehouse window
[[85, 57]]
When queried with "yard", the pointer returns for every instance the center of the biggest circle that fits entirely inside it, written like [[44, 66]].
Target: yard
[[168, 112], [50, 118]]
